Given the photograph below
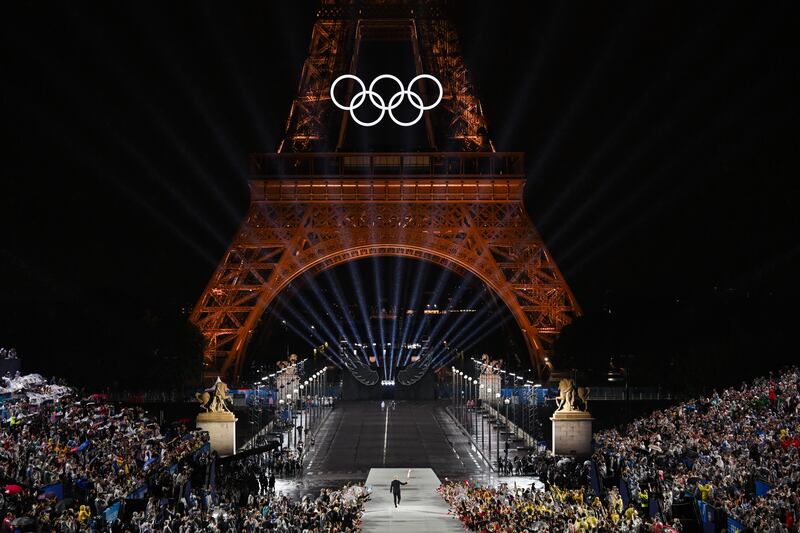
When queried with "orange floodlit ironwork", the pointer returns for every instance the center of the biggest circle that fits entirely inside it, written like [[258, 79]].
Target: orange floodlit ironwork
[[311, 210]]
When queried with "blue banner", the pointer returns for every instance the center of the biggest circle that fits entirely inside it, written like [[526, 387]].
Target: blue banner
[[595, 480], [734, 526], [708, 516], [654, 509], [624, 493], [762, 487], [205, 448], [139, 493], [187, 491], [111, 513], [56, 490]]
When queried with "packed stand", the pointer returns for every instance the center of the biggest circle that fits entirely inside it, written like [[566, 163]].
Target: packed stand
[[71, 464], [733, 455], [720, 450]]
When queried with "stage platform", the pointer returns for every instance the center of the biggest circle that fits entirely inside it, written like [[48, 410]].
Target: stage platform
[[421, 508]]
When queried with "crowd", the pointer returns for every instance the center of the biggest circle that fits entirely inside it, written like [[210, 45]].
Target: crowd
[[561, 471], [285, 462], [717, 448], [505, 509], [8, 353], [70, 463], [714, 450], [337, 511]]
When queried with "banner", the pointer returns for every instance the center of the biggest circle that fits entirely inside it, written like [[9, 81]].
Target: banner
[[708, 516], [654, 508], [139, 493], [205, 448], [187, 491], [56, 490], [111, 513], [595, 480], [734, 526], [762, 487], [624, 493]]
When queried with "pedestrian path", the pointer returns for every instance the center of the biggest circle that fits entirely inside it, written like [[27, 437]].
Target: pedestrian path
[[421, 508]]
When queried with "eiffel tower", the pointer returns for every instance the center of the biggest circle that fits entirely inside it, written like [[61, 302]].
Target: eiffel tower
[[315, 205]]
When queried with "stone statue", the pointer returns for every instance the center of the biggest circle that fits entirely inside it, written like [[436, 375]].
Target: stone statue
[[572, 423], [292, 359], [214, 402], [490, 366], [583, 394], [566, 396]]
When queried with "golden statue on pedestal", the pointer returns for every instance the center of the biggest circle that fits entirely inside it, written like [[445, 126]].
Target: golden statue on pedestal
[[213, 400], [568, 396]]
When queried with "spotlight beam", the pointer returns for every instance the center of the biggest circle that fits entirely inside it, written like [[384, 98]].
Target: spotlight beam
[[422, 268], [376, 279], [333, 357], [662, 176]]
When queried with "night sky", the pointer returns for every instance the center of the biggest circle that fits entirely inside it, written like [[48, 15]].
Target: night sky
[[661, 141]]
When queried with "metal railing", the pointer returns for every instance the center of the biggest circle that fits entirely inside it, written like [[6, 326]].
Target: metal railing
[[459, 165]]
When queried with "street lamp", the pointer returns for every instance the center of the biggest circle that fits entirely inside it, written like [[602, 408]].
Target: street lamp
[[507, 401], [480, 398], [497, 425], [489, 397], [303, 396]]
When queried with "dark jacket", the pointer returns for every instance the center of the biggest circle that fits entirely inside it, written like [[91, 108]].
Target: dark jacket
[[395, 486]]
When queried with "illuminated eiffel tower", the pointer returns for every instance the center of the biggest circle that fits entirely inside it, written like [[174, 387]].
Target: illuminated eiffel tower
[[313, 206]]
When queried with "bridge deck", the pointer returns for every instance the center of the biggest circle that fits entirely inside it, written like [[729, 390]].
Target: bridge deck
[[358, 436]]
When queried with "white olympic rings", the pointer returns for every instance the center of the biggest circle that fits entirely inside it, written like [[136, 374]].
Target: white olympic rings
[[378, 101]]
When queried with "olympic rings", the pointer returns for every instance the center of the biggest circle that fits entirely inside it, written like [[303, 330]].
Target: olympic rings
[[377, 100]]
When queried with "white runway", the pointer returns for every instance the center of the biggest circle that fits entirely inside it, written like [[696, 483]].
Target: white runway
[[421, 508]]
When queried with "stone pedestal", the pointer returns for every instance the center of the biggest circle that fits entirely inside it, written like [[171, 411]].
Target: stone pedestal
[[572, 433], [221, 429]]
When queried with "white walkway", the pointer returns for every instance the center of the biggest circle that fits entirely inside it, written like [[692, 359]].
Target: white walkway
[[421, 508]]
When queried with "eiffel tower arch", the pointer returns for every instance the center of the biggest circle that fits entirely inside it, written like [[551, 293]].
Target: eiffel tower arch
[[314, 206]]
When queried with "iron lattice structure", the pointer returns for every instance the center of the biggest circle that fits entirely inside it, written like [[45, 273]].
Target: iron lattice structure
[[313, 209]]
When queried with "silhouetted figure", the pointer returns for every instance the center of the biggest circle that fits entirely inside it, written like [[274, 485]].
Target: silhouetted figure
[[394, 488]]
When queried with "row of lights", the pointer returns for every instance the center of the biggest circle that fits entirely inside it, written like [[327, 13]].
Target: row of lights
[[304, 384], [265, 378]]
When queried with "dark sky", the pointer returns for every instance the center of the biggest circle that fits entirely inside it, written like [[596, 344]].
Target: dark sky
[[661, 142]]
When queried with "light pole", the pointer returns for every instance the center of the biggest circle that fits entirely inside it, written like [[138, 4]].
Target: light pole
[[303, 413], [295, 405], [497, 425], [472, 417], [507, 401], [281, 403], [453, 389], [475, 392], [468, 389], [307, 385], [480, 399], [460, 398], [489, 396]]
